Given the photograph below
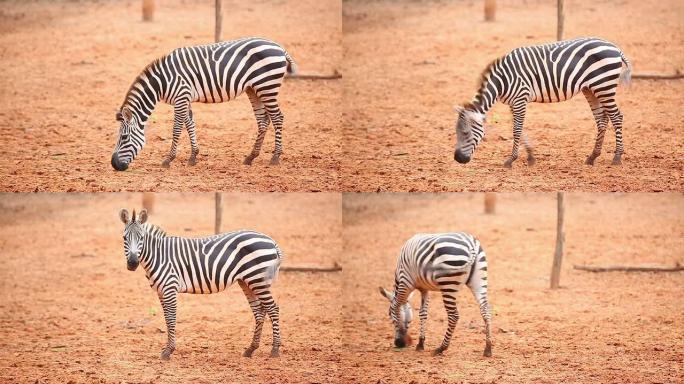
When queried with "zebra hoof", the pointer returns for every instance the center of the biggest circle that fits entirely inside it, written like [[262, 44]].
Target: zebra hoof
[[192, 161], [420, 347], [275, 354], [248, 352], [531, 160], [590, 160], [166, 164], [275, 161], [165, 355], [488, 351], [248, 160], [616, 161], [438, 352], [508, 164]]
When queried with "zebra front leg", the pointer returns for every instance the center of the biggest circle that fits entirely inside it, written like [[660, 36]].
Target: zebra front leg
[[277, 119], [452, 315], [168, 302], [259, 313], [180, 113], [601, 119], [190, 126], [424, 300], [518, 111], [274, 313]]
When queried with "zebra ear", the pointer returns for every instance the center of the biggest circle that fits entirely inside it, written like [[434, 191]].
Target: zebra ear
[[458, 109], [119, 117], [388, 295], [126, 114], [123, 215], [142, 216]]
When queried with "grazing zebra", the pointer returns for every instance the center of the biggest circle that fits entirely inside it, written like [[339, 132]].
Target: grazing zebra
[[211, 73], [437, 262], [205, 265], [546, 74]]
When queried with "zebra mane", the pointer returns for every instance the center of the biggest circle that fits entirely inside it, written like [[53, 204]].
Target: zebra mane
[[145, 70], [154, 230], [482, 84]]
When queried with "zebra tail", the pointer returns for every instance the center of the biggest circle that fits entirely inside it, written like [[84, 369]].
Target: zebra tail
[[626, 75], [291, 65], [272, 272]]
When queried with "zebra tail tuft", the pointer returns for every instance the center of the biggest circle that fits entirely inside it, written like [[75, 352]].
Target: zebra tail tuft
[[291, 65], [626, 74]]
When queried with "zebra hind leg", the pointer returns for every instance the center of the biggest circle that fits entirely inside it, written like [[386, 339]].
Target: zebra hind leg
[[277, 119], [274, 313], [262, 120], [477, 282], [190, 126], [259, 313], [452, 315], [601, 119], [616, 120]]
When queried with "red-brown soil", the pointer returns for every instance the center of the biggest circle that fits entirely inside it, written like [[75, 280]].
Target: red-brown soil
[[71, 312], [406, 64], [67, 66], [597, 328]]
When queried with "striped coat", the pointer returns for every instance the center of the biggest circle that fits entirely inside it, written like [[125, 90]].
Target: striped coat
[[547, 73], [205, 265], [212, 73], [440, 262]]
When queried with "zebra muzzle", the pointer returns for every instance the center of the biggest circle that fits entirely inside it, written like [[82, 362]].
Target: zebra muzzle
[[132, 265], [118, 164], [460, 157]]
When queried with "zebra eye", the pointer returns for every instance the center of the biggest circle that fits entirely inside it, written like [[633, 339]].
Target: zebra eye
[[124, 137]]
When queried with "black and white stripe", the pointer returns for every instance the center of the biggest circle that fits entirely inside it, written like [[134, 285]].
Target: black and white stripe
[[438, 262], [546, 74], [212, 73], [205, 265]]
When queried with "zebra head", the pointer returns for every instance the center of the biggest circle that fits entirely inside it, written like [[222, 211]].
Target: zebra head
[[133, 237], [131, 139], [401, 324], [469, 132]]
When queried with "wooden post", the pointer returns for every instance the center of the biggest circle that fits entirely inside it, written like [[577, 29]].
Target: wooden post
[[490, 10], [560, 239], [219, 21], [148, 10], [218, 213], [148, 201], [490, 203], [561, 20]]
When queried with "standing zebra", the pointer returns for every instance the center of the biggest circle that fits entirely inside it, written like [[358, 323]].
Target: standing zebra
[[546, 74], [438, 262], [205, 265], [211, 73]]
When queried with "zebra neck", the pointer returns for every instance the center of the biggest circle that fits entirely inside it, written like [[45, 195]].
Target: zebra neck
[[153, 238], [492, 86], [142, 97]]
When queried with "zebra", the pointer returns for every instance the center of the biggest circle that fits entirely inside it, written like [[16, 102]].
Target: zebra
[[438, 262], [547, 73], [205, 265], [212, 73]]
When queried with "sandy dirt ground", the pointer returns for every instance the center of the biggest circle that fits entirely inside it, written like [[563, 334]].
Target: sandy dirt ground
[[71, 312], [597, 328], [407, 63], [67, 66]]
